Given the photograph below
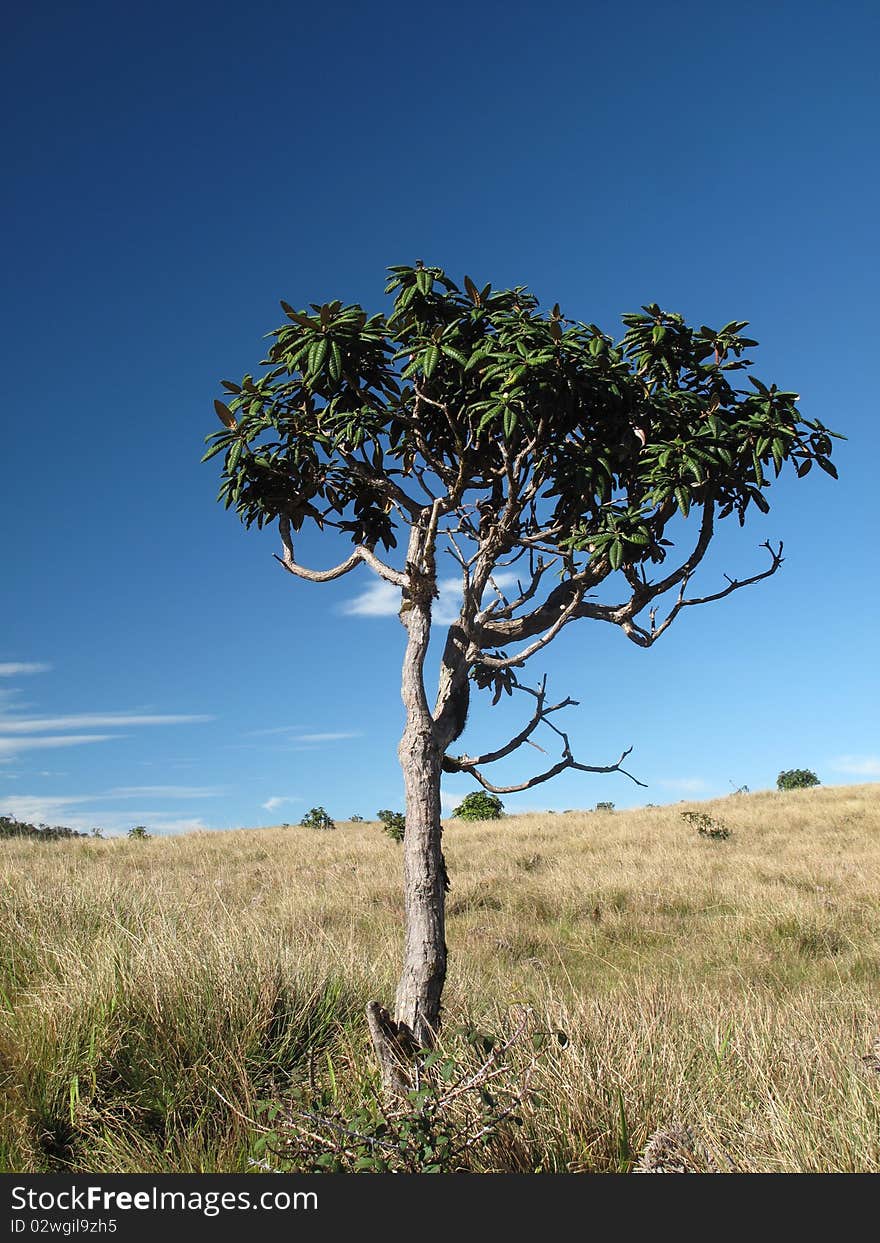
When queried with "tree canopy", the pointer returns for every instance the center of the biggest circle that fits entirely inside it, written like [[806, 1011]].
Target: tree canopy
[[510, 435]]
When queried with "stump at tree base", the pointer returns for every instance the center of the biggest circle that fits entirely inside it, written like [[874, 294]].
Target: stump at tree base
[[395, 1048]]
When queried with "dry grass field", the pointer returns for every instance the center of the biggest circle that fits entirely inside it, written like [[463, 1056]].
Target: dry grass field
[[153, 993]]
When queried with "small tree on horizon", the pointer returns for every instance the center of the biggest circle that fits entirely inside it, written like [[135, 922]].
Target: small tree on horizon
[[474, 422], [796, 779]]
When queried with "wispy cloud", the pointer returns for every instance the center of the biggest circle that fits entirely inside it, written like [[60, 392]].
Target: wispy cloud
[[15, 668], [278, 800], [87, 720], [858, 765], [13, 746], [84, 811]]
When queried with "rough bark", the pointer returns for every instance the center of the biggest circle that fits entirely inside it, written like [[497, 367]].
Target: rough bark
[[417, 1004]]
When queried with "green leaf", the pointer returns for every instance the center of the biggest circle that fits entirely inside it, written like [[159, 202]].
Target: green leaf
[[430, 358], [455, 355], [684, 500], [615, 555], [317, 354]]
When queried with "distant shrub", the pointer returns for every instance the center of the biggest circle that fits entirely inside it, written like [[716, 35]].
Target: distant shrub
[[317, 818], [356, 819], [10, 827], [480, 805], [139, 833], [796, 779], [706, 826], [604, 807], [393, 823]]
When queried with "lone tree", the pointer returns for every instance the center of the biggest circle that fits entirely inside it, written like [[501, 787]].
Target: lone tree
[[472, 422]]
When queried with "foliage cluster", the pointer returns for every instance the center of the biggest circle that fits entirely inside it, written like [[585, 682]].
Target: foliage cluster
[[460, 1102], [317, 818], [479, 805], [706, 825], [393, 823], [796, 779]]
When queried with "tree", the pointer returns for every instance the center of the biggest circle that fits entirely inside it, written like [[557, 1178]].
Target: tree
[[472, 421], [317, 818], [139, 833], [796, 779], [393, 823], [479, 805]]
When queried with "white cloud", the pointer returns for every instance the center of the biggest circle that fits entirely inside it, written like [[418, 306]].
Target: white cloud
[[858, 765], [277, 800], [379, 599], [14, 668], [84, 720]]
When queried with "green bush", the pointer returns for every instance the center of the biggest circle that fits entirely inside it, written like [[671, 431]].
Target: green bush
[[393, 823], [707, 826], [796, 779], [139, 833], [604, 807], [317, 818], [480, 805]]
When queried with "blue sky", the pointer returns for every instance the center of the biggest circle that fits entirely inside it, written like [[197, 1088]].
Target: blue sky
[[173, 171]]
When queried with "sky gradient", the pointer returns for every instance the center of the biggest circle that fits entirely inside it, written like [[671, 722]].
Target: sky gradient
[[173, 171]]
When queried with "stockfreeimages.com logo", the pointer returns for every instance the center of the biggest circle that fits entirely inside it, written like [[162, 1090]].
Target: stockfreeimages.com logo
[[209, 1203]]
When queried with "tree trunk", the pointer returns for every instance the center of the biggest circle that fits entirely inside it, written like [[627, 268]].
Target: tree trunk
[[424, 961], [417, 1005]]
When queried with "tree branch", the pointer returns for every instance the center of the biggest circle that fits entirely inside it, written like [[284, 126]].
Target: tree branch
[[360, 554], [471, 764], [646, 637]]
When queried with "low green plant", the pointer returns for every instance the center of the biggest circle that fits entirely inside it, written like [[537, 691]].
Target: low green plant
[[393, 823], [317, 818], [460, 1104], [356, 819], [139, 833], [796, 779], [479, 805], [706, 825], [604, 807]]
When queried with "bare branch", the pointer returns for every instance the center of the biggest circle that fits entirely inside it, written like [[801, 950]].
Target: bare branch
[[541, 713], [471, 764], [360, 554], [646, 637], [567, 761]]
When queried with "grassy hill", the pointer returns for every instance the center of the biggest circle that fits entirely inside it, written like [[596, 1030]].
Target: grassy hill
[[152, 994]]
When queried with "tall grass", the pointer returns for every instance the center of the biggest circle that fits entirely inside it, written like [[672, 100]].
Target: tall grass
[[152, 994]]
